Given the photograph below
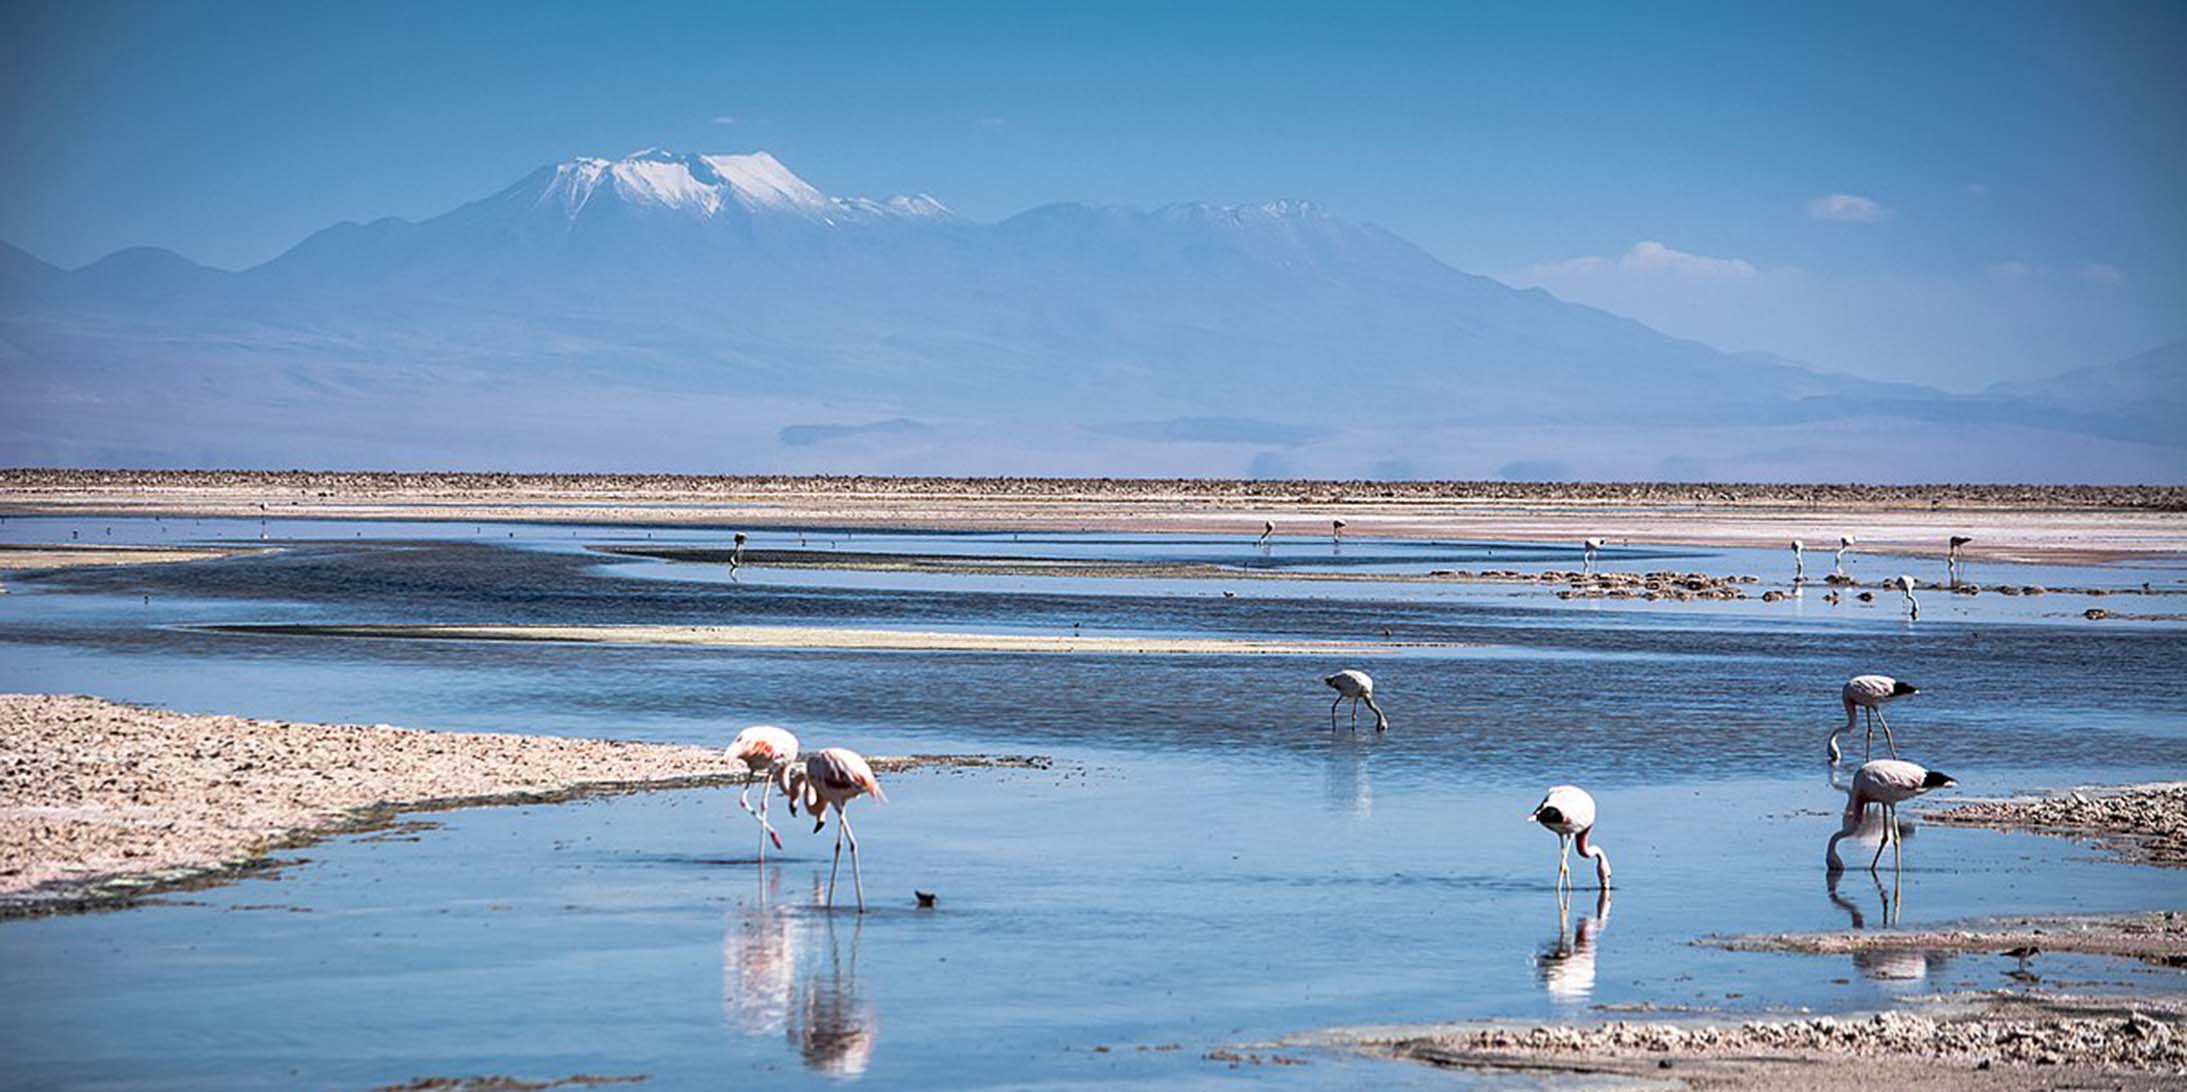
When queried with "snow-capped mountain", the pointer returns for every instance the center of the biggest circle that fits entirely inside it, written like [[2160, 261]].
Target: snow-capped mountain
[[719, 312]]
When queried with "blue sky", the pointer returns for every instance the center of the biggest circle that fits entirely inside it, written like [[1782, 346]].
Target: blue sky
[[1949, 193]]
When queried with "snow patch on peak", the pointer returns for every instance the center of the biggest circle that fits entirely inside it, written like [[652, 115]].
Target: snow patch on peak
[[705, 185]]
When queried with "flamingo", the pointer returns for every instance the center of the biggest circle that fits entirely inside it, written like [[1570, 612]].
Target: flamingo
[[1588, 549], [1268, 527], [1951, 555], [763, 749], [1845, 542], [1913, 605], [1336, 532], [1799, 562], [1569, 813], [1884, 783], [1872, 693], [833, 778], [1357, 686], [736, 554]]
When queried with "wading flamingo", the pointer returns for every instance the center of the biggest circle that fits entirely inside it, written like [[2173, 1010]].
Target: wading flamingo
[[833, 778], [763, 749], [1336, 532], [1913, 605], [1569, 813], [1799, 562], [736, 554], [1588, 549], [1872, 693], [1268, 527], [1845, 542], [1885, 783], [1951, 555], [1357, 686]]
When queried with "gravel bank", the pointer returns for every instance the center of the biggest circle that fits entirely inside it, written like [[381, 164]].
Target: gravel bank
[[69, 557], [1970, 1041], [102, 803], [2155, 936], [2146, 823]]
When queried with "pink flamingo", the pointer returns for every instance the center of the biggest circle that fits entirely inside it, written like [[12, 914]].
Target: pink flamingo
[[1569, 813], [833, 778], [764, 749], [1872, 693], [1884, 783]]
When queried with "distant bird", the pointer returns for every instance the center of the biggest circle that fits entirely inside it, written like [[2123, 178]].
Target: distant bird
[[1569, 813], [1268, 527], [1885, 783], [1588, 549], [1799, 562], [1871, 693], [1845, 542], [736, 554], [1913, 605], [1357, 686], [1951, 554], [1336, 531], [833, 778], [763, 749], [926, 899]]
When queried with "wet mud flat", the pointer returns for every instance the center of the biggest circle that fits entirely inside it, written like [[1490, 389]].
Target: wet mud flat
[[102, 803], [1963, 1041]]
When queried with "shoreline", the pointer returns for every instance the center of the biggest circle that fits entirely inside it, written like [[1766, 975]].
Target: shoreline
[[107, 804], [2049, 524], [825, 638]]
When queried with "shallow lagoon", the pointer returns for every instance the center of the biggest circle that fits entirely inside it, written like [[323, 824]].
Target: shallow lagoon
[[1204, 865]]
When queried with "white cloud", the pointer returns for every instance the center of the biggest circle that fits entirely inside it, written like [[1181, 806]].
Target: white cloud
[[1646, 258], [1846, 208], [724, 119], [2100, 273]]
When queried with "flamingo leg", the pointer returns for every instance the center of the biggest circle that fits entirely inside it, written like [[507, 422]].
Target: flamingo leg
[[854, 858], [766, 827], [1564, 862], [1898, 844], [1887, 733], [1332, 711], [1889, 832], [858, 882], [1355, 716], [1868, 745]]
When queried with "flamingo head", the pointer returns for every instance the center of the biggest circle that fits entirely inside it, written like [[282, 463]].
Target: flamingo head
[[1937, 779]]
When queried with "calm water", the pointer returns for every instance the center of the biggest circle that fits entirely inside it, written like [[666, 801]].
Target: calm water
[[1204, 865]]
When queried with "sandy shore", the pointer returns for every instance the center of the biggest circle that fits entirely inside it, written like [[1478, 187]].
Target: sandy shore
[[824, 637], [1969, 1041], [102, 803], [2146, 823], [69, 557], [2062, 524]]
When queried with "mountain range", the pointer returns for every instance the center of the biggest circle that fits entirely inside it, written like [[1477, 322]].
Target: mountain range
[[718, 313]]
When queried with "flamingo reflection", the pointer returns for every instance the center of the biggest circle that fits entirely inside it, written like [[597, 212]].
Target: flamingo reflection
[[758, 970], [1566, 965], [833, 1027]]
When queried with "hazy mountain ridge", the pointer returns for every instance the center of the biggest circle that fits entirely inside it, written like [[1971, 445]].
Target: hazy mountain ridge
[[809, 319]]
